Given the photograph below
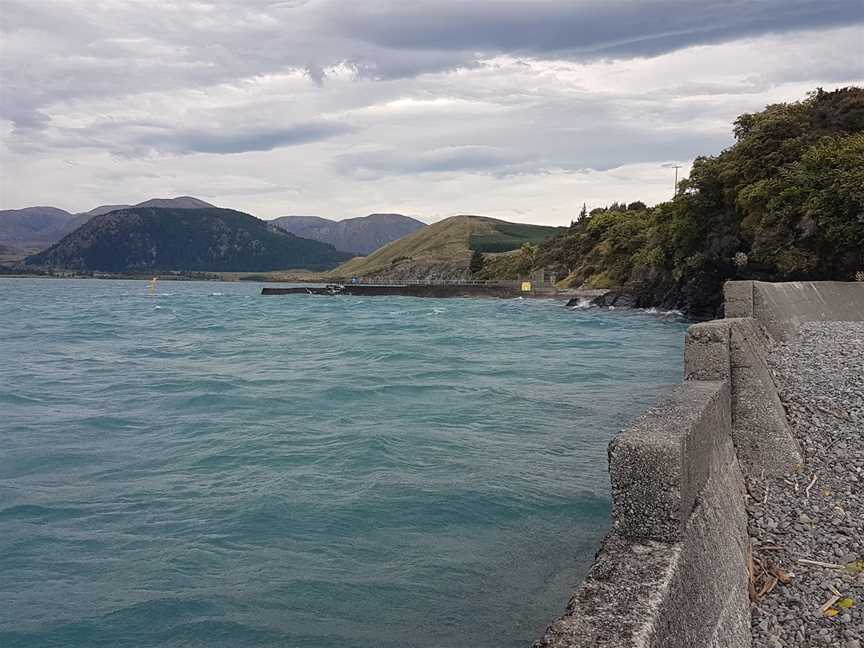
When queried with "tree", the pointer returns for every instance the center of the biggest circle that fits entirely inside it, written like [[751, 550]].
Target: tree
[[477, 262], [788, 197]]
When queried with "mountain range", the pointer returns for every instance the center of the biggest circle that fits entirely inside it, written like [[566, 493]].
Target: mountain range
[[149, 238], [360, 236], [35, 228]]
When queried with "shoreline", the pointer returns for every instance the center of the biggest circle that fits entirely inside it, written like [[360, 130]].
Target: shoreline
[[692, 557]]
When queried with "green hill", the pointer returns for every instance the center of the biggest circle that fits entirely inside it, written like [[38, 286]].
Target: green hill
[[212, 239], [444, 249]]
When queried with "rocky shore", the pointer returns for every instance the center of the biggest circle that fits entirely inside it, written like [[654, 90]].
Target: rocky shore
[[807, 527]]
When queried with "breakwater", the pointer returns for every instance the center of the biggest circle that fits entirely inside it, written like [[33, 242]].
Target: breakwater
[[674, 571], [503, 290]]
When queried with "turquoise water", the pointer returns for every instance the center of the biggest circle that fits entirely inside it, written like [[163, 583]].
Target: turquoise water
[[208, 467]]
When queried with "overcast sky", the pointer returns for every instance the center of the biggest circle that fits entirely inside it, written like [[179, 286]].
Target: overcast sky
[[519, 109]]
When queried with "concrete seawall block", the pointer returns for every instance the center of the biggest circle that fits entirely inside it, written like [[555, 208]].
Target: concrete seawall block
[[672, 573], [619, 602], [677, 507], [706, 351], [738, 299], [737, 348], [760, 429], [658, 464], [782, 307], [707, 604]]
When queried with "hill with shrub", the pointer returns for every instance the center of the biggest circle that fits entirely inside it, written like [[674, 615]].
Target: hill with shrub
[[784, 202]]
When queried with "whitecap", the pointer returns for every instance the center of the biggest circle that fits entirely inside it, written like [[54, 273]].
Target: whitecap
[[583, 303]]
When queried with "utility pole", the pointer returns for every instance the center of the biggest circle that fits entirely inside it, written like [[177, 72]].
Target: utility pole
[[675, 188]]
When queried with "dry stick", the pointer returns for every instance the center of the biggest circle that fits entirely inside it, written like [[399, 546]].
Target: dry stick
[[807, 490], [829, 603], [820, 564], [751, 581], [771, 585], [767, 490]]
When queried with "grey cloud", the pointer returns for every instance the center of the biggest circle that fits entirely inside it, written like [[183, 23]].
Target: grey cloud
[[606, 146], [58, 52], [201, 141], [469, 158], [582, 29], [139, 139]]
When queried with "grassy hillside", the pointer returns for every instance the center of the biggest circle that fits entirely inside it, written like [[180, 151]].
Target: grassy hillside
[[443, 249]]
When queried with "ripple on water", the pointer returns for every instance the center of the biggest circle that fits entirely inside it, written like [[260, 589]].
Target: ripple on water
[[209, 467]]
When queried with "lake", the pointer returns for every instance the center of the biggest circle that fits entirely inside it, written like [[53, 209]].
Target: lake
[[208, 467]]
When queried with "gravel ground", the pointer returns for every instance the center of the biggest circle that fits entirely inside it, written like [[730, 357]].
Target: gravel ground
[[821, 381]]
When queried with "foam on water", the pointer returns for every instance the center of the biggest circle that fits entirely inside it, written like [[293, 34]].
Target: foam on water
[[377, 472]]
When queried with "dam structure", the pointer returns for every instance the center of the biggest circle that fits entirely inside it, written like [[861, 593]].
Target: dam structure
[[720, 537]]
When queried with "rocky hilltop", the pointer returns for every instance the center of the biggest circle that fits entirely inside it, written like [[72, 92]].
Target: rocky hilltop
[[360, 236], [212, 239]]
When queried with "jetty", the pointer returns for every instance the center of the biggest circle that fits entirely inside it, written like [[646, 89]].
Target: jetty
[[738, 511], [438, 288]]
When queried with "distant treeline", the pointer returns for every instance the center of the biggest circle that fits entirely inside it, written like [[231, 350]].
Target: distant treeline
[[785, 202]]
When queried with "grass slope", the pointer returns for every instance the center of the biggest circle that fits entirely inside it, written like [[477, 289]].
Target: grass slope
[[444, 247]]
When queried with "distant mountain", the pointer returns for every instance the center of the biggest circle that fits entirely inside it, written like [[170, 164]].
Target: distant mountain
[[180, 202], [32, 227], [10, 254], [36, 228], [444, 249], [101, 209], [356, 235], [141, 239]]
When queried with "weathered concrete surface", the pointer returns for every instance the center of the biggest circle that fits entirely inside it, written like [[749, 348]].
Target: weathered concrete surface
[[621, 598], [659, 464], [782, 307], [672, 573], [737, 349], [672, 568]]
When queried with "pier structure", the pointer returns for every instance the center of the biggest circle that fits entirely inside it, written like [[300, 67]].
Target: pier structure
[[436, 288]]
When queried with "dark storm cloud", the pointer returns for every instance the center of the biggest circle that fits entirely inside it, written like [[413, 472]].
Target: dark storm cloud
[[582, 29], [55, 51]]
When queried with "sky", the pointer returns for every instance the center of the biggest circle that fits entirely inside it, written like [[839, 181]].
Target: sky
[[517, 109]]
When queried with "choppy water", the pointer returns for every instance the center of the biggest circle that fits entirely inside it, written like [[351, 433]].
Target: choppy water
[[208, 467]]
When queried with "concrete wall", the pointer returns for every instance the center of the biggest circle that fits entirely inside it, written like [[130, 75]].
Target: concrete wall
[[782, 307], [672, 572]]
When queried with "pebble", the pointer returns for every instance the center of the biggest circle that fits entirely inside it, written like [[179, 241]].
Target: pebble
[[820, 377]]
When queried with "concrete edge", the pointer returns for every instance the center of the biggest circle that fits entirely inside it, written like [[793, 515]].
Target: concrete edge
[[672, 573]]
